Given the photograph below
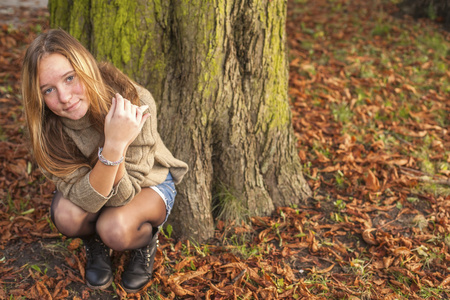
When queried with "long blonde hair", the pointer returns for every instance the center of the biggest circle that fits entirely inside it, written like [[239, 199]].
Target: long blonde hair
[[53, 150]]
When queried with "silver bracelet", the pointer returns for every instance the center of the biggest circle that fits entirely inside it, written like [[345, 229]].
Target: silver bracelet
[[108, 162]]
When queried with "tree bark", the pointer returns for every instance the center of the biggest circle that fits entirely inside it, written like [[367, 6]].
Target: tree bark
[[219, 73]]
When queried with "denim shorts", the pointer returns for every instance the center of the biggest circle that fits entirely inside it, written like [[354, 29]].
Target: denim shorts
[[167, 192]]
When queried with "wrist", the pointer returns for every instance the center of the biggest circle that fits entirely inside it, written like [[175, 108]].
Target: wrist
[[116, 149], [110, 158]]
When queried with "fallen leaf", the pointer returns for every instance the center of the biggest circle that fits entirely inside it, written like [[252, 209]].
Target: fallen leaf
[[445, 282], [368, 238], [372, 182], [402, 251]]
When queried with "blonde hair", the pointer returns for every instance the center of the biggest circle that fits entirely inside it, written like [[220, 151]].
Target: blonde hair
[[53, 150]]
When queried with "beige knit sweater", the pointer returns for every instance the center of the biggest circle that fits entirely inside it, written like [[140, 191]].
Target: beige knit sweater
[[147, 162]]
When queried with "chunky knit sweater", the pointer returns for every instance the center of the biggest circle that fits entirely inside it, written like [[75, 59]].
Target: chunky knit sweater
[[147, 162]]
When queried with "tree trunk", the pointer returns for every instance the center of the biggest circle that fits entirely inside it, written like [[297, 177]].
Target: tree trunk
[[219, 73], [432, 9]]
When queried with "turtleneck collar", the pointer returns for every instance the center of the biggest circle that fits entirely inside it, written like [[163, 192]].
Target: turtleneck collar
[[80, 124]]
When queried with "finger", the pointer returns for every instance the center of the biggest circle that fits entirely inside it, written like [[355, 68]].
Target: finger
[[143, 108], [133, 110], [138, 114], [120, 105], [127, 104], [111, 109], [143, 120]]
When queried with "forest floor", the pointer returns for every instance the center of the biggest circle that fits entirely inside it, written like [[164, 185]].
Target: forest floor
[[370, 97]]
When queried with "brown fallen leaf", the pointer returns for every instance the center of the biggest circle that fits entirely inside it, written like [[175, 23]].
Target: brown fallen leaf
[[184, 263], [326, 270], [331, 169], [387, 261], [372, 182], [60, 291], [74, 244], [445, 282], [368, 238], [402, 251]]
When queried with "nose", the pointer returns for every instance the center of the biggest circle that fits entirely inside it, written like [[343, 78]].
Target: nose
[[64, 94]]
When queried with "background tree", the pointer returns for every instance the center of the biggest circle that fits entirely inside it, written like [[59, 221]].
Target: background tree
[[432, 9], [218, 71]]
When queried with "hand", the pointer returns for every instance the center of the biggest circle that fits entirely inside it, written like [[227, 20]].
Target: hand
[[123, 123]]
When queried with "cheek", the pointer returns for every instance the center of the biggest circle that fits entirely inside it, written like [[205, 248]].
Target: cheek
[[51, 103], [79, 89]]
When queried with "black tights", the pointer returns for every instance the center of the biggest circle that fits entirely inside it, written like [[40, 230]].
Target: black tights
[[121, 228]]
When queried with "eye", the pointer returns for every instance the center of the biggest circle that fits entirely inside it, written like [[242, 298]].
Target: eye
[[48, 91], [70, 78]]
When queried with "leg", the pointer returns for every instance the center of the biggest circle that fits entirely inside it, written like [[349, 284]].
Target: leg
[[73, 221], [130, 226], [70, 219]]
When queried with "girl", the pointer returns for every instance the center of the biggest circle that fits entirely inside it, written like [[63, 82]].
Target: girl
[[93, 132]]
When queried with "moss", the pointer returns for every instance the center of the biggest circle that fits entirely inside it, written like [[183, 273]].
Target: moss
[[126, 52], [123, 29], [276, 111], [204, 47], [72, 16], [59, 9], [204, 118], [80, 21]]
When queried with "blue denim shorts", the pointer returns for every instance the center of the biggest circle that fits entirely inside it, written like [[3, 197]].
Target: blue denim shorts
[[167, 192]]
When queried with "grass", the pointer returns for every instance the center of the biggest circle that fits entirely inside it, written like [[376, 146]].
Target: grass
[[230, 207], [17, 206], [239, 246], [152, 293], [342, 113]]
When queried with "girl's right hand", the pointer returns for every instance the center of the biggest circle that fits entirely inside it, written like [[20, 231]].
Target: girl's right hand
[[123, 123]]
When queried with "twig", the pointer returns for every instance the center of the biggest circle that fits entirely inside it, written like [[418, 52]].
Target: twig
[[396, 135], [239, 276], [436, 181], [343, 287], [426, 178], [412, 170]]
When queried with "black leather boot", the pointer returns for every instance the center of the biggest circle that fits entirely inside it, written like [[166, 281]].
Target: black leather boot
[[140, 268], [99, 273]]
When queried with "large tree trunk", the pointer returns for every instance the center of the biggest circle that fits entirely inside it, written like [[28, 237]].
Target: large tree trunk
[[218, 71]]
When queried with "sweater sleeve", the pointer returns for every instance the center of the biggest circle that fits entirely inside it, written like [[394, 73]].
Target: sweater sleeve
[[77, 188], [140, 156]]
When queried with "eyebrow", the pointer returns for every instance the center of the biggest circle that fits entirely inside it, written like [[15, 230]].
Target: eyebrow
[[62, 76]]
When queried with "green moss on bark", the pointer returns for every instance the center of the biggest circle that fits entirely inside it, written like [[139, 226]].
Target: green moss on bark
[[59, 10], [276, 114]]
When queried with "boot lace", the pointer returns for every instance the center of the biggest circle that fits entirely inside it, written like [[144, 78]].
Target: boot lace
[[143, 256], [96, 248]]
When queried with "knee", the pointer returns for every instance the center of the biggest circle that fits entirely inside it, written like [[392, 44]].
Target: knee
[[68, 218], [113, 233], [66, 221]]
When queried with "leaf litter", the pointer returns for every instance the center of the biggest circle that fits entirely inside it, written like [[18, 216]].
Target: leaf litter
[[370, 98]]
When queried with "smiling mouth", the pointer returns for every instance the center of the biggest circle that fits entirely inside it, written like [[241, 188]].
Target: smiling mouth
[[72, 106]]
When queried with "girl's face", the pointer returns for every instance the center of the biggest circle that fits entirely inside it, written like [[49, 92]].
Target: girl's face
[[63, 92]]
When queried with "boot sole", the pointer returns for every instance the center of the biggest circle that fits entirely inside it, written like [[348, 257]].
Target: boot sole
[[134, 291], [100, 287]]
